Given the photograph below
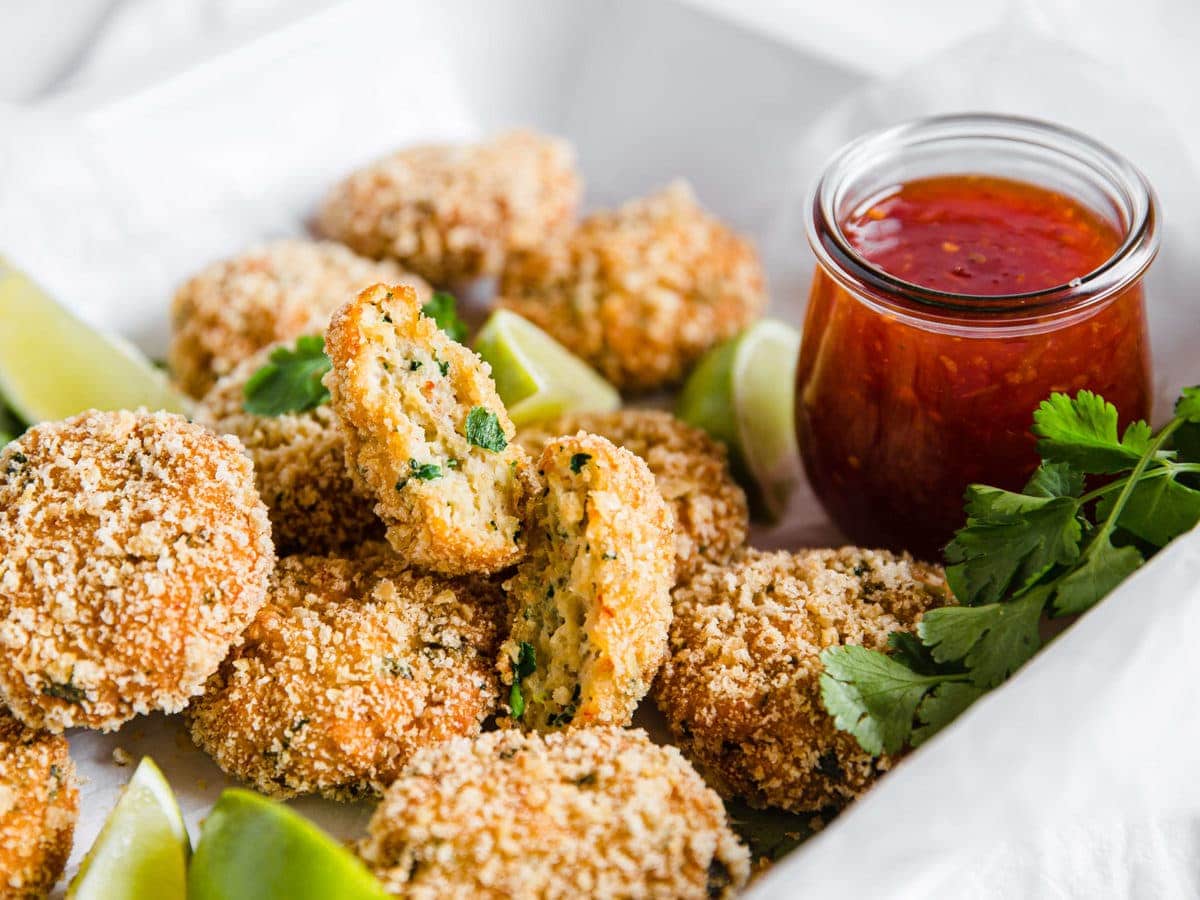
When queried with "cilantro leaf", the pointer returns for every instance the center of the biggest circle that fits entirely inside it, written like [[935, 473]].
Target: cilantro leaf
[[1187, 407], [443, 309], [578, 461], [424, 471], [1157, 510], [290, 382], [483, 430], [872, 696], [768, 833], [1055, 480], [994, 640], [1010, 540], [941, 707], [526, 660], [907, 648], [516, 700], [1186, 443], [1103, 568], [1083, 433]]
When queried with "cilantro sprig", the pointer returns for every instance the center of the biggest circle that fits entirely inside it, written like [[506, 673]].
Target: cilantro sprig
[[1055, 548], [290, 382], [443, 309]]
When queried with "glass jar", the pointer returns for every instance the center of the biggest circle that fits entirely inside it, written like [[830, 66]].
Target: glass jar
[[906, 392]]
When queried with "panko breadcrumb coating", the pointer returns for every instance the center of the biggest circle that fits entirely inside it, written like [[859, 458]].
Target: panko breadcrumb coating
[[39, 803], [740, 687], [595, 812], [299, 467], [640, 293], [427, 434], [275, 292], [690, 468], [350, 667], [454, 212], [592, 601], [134, 550]]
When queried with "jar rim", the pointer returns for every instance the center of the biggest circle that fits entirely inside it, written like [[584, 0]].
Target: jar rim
[[1116, 176]]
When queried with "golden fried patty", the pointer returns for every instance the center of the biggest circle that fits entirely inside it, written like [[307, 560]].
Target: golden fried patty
[[272, 293], [591, 603], [453, 212], [740, 687], [39, 803], [690, 469], [350, 667], [427, 435], [134, 550], [641, 292], [595, 812], [299, 467]]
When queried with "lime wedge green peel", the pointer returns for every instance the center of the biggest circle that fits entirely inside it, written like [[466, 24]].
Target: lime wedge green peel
[[252, 847], [743, 394], [142, 851], [537, 377], [53, 364]]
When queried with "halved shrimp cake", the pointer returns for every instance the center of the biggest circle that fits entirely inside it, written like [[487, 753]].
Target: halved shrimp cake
[[596, 812], [350, 667], [591, 604], [134, 551], [39, 804], [427, 434]]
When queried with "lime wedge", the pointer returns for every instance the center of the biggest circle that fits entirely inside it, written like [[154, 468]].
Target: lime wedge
[[53, 364], [536, 376], [743, 394], [141, 852], [252, 848]]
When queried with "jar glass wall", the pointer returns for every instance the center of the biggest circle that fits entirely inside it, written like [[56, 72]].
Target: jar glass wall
[[907, 393]]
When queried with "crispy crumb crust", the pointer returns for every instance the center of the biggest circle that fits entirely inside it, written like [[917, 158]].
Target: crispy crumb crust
[[453, 212], [640, 293], [597, 812], [275, 292], [690, 469], [299, 467], [403, 392], [593, 597], [350, 667], [134, 550], [39, 805], [740, 686]]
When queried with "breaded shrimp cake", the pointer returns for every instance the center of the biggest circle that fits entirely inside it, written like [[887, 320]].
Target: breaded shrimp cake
[[39, 803], [350, 667], [299, 467], [591, 604], [640, 293], [452, 212], [427, 434], [275, 292], [740, 687], [690, 468], [134, 551], [595, 812]]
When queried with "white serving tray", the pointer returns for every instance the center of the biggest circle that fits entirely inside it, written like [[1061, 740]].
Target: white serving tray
[[111, 197]]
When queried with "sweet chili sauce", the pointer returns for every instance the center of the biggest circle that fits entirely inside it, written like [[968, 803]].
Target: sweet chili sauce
[[901, 406]]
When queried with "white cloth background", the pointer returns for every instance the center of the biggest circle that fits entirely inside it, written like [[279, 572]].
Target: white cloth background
[[119, 175]]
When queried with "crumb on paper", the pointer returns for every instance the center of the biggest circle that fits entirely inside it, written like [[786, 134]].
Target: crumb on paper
[[121, 756]]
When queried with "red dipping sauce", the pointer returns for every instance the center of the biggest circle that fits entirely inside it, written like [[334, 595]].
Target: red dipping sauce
[[943, 310]]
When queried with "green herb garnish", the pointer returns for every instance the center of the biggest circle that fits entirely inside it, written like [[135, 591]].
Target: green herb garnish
[[424, 471], [578, 460], [526, 666], [443, 309], [290, 382], [68, 692], [1056, 548], [483, 430]]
